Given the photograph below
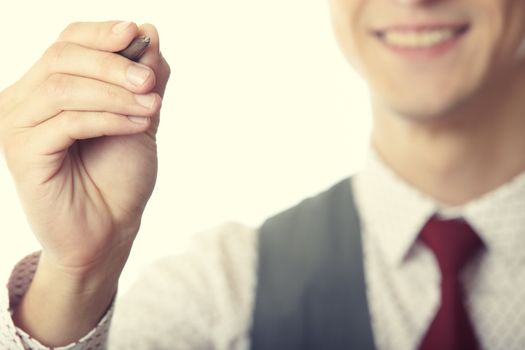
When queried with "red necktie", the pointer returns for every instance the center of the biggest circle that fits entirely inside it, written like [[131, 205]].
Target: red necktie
[[453, 243]]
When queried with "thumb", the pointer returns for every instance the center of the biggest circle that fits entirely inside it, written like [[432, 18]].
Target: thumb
[[154, 59]]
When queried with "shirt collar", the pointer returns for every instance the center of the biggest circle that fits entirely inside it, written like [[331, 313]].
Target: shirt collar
[[394, 212], [499, 218], [391, 210]]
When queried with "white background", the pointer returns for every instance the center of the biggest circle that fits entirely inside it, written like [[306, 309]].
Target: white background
[[261, 111]]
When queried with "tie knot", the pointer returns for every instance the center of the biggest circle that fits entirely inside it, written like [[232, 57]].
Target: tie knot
[[453, 243]]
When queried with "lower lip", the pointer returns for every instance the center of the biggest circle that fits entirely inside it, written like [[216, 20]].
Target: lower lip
[[426, 53]]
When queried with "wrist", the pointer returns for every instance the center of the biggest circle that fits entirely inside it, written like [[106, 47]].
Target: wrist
[[60, 307], [88, 267], [95, 278]]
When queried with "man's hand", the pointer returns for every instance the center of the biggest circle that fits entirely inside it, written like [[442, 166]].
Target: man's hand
[[83, 170]]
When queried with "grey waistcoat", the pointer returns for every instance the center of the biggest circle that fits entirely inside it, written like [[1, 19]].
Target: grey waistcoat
[[311, 291]]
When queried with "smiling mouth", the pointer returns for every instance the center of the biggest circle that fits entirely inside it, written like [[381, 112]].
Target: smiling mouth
[[420, 37]]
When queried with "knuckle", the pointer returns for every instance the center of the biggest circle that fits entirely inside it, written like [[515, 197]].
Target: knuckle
[[107, 63], [112, 93], [57, 86], [55, 54], [68, 30]]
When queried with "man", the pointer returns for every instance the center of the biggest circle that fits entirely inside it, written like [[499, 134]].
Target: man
[[421, 250]]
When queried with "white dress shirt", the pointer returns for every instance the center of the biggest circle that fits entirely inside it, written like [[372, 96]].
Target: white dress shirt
[[203, 299]]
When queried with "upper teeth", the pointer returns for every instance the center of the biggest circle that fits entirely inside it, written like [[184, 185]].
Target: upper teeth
[[418, 38]]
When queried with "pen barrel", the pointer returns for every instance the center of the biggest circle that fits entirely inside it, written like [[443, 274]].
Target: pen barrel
[[136, 48]]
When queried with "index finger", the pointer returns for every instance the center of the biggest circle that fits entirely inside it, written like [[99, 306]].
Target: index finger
[[105, 36]]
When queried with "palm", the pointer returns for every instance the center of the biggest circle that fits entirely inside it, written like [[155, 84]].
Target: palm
[[101, 185], [123, 168]]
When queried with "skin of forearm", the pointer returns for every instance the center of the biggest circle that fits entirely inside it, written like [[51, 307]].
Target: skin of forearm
[[60, 307]]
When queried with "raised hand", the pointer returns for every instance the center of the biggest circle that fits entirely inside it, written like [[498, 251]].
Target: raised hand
[[78, 134]]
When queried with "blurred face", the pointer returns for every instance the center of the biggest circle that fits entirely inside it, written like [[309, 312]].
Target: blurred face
[[426, 58]]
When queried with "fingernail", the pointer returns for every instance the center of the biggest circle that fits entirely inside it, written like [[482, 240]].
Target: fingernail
[[145, 100], [138, 120], [137, 74], [120, 27]]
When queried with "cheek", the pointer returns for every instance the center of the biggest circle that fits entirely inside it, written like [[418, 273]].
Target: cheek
[[346, 16], [505, 31]]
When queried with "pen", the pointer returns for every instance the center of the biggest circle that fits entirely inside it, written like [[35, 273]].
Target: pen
[[136, 48]]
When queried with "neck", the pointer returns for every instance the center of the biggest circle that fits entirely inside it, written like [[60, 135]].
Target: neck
[[462, 155]]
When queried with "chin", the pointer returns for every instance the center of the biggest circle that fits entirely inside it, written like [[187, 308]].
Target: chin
[[427, 105], [421, 110]]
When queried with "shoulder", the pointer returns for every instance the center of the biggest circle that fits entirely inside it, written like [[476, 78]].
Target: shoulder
[[199, 298], [227, 249]]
